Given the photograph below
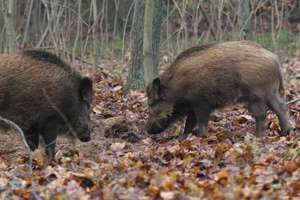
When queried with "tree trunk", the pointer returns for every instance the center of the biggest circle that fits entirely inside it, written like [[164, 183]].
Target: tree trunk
[[2, 27], [294, 16], [135, 79], [27, 23], [156, 34], [37, 19], [78, 30], [95, 38], [152, 26], [10, 26], [245, 19]]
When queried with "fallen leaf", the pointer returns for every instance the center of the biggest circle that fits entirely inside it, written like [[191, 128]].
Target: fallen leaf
[[297, 121], [290, 167], [84, 182], [244, 118], [295, 188], [167, 195], [108, 194], [3, 182], [222, 177], [117, 88], [3, 166], [113, 121], [274, 125], [24, 194], [40, 158], [118, 146]]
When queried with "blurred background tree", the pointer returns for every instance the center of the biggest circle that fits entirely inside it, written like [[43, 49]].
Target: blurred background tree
[[135, 78], [152, 28]]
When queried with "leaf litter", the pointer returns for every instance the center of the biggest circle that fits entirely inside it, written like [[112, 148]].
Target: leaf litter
[[123, 162]]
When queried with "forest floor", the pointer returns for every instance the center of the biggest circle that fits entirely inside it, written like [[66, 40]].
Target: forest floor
[[123, 162]]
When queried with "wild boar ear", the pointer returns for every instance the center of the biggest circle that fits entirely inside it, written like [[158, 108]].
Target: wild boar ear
[[156, 86], [86, 89]]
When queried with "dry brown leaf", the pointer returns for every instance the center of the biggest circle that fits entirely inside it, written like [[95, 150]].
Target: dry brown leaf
[[222, 177], [290, 167], [40, 158], [112, 121], [295, 188], [167, 195], [153, 191], [24, 194], [274, 125], [221, 149], [244, 118], [3, 165], [297, 121], [108, 194], [118, 146]]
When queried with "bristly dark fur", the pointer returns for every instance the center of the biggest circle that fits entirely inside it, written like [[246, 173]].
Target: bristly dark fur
[[187, 53], [45, 56], [40, 93]]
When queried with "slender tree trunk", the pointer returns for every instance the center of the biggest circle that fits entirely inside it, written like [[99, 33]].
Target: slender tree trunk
[[135, 77], [116, 3], [10, 26], [95, 38], [2, 27], [27, 23], [36, 29], [75, 46], [245, 19], [152, 27], [156, 34], [219, 22]]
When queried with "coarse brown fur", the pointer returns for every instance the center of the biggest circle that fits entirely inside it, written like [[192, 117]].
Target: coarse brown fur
[[216, 75], [196, 49], [33, 84]]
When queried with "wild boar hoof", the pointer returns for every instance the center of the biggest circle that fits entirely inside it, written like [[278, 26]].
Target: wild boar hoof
[[200, 134], [32, 145]]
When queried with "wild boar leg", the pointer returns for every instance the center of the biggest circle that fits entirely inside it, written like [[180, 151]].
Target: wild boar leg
[[258, 108], [32, 141], [32, 138], [49, 135], [50, 142], [190, 123], [202, 112], [276, 103]]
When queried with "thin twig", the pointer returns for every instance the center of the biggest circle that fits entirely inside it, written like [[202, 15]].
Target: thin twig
[[293, 101], [208, 23], [18, 129]]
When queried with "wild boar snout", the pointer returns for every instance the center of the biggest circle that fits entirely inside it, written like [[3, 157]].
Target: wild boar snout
[[156, 126], [84, 134]]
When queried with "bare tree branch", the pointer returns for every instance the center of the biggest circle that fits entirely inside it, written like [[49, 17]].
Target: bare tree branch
[[19, 130]]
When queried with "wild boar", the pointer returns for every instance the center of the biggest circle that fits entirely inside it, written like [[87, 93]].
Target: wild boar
[[208, 77], [44, 96]]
